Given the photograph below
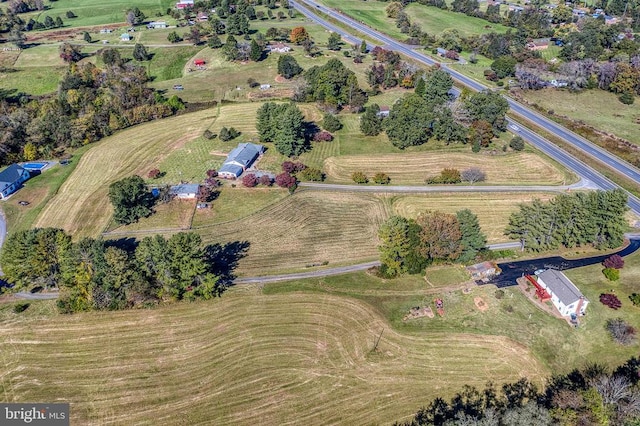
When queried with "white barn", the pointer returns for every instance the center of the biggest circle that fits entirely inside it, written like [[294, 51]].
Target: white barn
[[565, 296]]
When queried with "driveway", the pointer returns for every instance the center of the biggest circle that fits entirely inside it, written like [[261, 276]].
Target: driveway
[[3, 233]]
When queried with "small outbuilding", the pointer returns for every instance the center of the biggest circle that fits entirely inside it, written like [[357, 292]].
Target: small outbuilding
[[565, 296], [278, 48], [384, 111], [157, 25], [11, 179], [185, 191], [483, 271], [125, 37], [199, 62]]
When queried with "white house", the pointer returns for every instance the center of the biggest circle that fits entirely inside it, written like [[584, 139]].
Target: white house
[[105, 31], [240, 159], [125, 37], [185, 191], [565, 296], [11, 178], [278, 48], [157, 25]]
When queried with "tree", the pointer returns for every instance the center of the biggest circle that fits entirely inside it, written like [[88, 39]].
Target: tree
[[381, 178], [131, 200], [288, 66], [472, 240], [481, 133], [140, 52], [59, 22], [173, 37], [490, 107], [614, 261], [284, 125], [409, 121], [30, 152], [227, 134], [621, 332], [285, 180], [17, 37], [504, 66], [395, 245], [611, 274], [438, 83], [311, 174], [517, 143], [473, 175], [393, 9], [371, 124], [440, 238], [255, 52], [214, 41], [138, 16], [111, 56], [249, 180], [331, 123], [265, 180], [238, 24], [298, 35], [230, 48], [359, 177], [194, 35], [335, 41], [87, 37], [70, 53]]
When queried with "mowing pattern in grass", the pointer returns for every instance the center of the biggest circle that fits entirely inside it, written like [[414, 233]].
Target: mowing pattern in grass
[[597, 108], [307, 228], [245, 359], [82, 206], [36, 70], [175, 215], [493, 210], [511, 169]]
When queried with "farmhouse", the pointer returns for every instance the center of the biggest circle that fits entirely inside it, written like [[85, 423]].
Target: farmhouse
[[384, 111], [565, 296], [185, 191], [240, 159], [125, 37], [278, 48], [202, 17], [11, 178], [157, 24]]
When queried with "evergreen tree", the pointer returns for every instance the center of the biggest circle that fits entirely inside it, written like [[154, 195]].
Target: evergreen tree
[[473, 240], [288, 66], [395, 245], [230, 48], [437, 86], [255, 52], [334, 41], [214, 41], [140, 53], [131, 200], [371, 124], [409, 122]]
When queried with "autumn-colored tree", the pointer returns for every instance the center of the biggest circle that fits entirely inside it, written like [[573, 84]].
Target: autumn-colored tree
[[265, 180], [30, 152], [249, 180], [154, 174], [440, 236], [481, 133], [285, 180], [299, 35], [615, 261]]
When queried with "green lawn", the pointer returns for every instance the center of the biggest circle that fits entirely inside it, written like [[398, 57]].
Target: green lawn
[[36, 70]]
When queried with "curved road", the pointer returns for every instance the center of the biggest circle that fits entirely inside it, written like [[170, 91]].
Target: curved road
[[544, 145]]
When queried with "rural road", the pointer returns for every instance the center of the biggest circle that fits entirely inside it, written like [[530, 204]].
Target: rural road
[[307, 8], [3, 233]]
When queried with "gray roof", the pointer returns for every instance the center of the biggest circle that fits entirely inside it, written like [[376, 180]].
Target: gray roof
[[560, 286], [245, 154], [184, 188], [11, 174], [231, 168]]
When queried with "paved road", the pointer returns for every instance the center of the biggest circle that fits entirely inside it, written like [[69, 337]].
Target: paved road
[[546, 146], [36, 296], [3, 233]]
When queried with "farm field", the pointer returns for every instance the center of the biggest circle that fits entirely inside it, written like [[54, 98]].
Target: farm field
[[612, 115], [81, 206], [300, 230], [248, 358], [36, 70], [509, 169]]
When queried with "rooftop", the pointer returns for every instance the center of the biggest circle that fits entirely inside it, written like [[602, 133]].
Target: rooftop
[[245, 153], [560, 286], [184, 188], [10, 175]]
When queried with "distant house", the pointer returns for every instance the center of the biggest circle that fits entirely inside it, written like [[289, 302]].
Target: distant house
[[441, 51], [278, 48], [185, 191], [384, 111], [240, 159], [565, 296], [540, 44], [11, 178], [125, 37], [105, 31], [156, 25], [265, 86], [202, 17], [199, 62], [183, 4]]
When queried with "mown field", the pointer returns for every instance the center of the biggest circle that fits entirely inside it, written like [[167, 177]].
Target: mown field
[[245, 359], [509, 169], [612, 115], [81, 205]]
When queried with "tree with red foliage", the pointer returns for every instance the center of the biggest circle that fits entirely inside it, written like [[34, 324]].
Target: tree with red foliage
[[249, 180], [285, 180], [204, 194], [610, 300], [154, 174], [323, 136], [212, 182], [211, 173], [452, 54], [299, 35], [265, 180], [288, 167], [615, 261]]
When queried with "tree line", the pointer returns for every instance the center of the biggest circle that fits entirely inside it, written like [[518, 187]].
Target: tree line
[[408, 245], [591, 395], [93, 274], [571, 220]]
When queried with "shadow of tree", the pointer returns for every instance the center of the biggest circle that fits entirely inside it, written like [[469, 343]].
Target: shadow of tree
[[223, 259]]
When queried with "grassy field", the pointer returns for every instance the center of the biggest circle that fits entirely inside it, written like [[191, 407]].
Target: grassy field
[[509, 169], [175, 215], [432, 19], [81, 206], [612, 115], [36, 70]]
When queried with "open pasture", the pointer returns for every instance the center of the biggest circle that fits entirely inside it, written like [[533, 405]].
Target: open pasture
[[81, 205], [521, 168], [245, 359]]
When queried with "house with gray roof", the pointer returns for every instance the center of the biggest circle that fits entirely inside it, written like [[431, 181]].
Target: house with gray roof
[[11, 178], [185, 191], [565, 296], [240, 159]]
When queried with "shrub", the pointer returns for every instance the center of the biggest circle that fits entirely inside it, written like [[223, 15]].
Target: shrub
[[610, 300], [291, 167], [359, 177], [265, 180], [611, 274], [228, 134], [249, 180], [208, 134], [323, 137], [311, 174], [473, 174], [452, 54], [285, 180], [475, 147], [517, 143], [154, 174], [635, 299], [627, 98], [331, 123], [621, 332], [447, 176], [70, 14], [615, 261], [20, 307], [381, 178], [499, 294], [252, 83]]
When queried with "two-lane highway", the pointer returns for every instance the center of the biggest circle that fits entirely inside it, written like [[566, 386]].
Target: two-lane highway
[[539, 142]]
